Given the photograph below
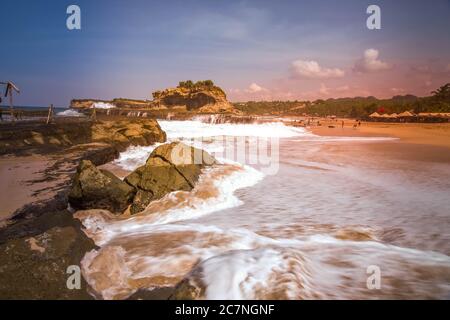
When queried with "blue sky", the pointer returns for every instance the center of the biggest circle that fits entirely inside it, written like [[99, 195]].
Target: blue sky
[[253, 49]]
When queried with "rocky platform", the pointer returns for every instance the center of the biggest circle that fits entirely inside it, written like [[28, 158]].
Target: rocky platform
[[43, 239]]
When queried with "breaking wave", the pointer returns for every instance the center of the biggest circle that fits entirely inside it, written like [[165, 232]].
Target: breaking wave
[[177, 239]]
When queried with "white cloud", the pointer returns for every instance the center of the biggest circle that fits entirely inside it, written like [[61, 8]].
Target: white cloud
[[311, 69], [371, 63], [254, 88]]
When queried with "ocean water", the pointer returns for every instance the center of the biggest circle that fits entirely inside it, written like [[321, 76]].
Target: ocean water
[[58, 111], [286, 215]]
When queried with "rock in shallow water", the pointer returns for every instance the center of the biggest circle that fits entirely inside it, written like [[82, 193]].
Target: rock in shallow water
[[100, 189], [170, 167]]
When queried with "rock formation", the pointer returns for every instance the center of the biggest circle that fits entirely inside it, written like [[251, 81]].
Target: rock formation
[[202, 97], [82, 104], [126, 132], [35, 262], [67, 133], [170, 167], [199, 97], [94, 188]]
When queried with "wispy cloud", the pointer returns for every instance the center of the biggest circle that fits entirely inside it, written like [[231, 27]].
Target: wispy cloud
[[371, 62], [312, 70], [254, 88]]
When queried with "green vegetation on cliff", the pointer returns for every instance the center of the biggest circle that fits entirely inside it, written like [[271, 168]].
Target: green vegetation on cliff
[[191, 87]]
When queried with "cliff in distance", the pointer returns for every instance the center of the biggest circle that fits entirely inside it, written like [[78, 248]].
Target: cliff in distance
[[198, 97], [202, 96]]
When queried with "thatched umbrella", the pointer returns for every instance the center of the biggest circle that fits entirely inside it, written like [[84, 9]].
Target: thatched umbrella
[[406, 114], [374, 115], [10, 87]]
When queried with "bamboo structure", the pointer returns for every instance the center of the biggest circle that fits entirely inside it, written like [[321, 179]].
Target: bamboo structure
[[9, 93]]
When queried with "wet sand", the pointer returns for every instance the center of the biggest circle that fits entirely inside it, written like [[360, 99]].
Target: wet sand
[[436, 134], [21, 182]]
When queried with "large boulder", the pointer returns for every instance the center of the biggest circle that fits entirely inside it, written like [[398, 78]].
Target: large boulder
[[99, 189], [170, 167]]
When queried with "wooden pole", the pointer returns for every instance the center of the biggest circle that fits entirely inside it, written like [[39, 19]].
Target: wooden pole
[[50, 114], [11, 108]]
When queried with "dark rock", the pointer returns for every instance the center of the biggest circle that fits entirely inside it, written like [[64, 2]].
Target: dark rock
[[188, 290], [99, 189], [34, 265], [170, 167]]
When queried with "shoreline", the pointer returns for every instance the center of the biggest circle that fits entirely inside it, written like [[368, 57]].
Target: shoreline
[[33, 174], [435, 134]]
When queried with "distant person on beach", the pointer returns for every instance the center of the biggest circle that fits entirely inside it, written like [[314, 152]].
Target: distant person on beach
[[342, 124], [359, 123]]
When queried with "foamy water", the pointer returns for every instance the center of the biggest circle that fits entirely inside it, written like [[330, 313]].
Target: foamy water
[[70, 113], [310, 231], [103, 105]]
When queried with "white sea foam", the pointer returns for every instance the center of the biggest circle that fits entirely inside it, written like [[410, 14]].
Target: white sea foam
[[213, 192], [240, 264], [134, 156], [103, 105], [70, 113], [196, 129], [173, 239]]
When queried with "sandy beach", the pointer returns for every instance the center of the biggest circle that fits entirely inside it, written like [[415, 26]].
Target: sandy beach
[[20, 185], [415, 133]]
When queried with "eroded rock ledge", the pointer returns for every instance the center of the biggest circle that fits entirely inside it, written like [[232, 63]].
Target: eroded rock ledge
[[42, 138]]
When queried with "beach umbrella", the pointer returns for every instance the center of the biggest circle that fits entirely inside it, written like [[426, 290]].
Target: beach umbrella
[[375, 115], [406, 114], [10, 87]]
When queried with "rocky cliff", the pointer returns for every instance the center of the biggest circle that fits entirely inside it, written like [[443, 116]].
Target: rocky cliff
[[82, 104], [198, 97], [202, 97]]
